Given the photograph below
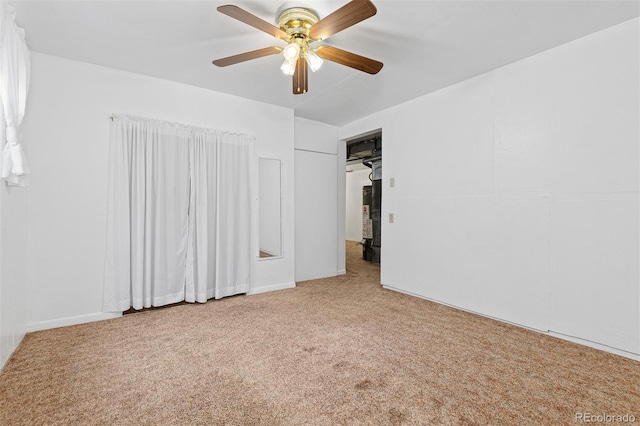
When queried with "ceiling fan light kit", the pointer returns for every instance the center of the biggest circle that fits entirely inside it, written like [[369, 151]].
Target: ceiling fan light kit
[[300, 27], [297, 22], [314, 61], [288, 67]]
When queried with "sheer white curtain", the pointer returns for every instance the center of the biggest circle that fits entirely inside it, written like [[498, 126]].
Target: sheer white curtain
[[14, 84], [219, 225], [179, 214]]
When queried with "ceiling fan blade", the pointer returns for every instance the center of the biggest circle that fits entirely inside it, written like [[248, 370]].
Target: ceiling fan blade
[[349, 59], [247, 56], [300, 78], [251, 19], [350, 14]]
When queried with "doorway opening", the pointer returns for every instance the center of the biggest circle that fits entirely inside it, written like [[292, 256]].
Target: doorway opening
[[364, 194]]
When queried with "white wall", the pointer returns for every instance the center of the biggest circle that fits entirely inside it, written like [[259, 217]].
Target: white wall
[[527, 204], [67, 128], [355, 180], [316, 203], [13, 269]]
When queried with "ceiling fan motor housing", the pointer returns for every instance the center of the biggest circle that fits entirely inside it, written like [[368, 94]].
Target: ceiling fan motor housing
[[296, 21]]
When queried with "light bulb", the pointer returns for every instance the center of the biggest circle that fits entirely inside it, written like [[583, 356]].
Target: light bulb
[[314, 61], [291, 52], [288, 67]]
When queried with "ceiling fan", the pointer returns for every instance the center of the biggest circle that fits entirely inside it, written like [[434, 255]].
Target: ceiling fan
[[301, 27]]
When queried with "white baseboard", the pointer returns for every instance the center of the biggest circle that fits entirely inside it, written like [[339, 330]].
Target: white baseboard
[[317, 276], [595, 345], [63, 322], [100, 316], [268, 288], [342, 272], [552, 333]]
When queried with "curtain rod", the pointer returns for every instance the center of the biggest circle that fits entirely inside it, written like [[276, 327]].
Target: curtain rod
[[114, 116]]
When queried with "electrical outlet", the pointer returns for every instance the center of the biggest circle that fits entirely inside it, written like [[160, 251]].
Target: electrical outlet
[[391, 218]]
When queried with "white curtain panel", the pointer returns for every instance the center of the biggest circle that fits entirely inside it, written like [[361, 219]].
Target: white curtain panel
[[179, 214], [14, 84], [219, 252]]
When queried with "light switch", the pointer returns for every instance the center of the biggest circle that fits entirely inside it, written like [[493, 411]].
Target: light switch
[[392, 182], [391, 217]]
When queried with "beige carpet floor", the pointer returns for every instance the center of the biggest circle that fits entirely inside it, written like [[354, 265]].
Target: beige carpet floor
[[338, 351]]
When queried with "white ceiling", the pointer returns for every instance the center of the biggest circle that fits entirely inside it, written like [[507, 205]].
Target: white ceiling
[[425, 45]]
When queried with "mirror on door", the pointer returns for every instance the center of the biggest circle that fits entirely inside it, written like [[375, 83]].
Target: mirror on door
[[270, 208]]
